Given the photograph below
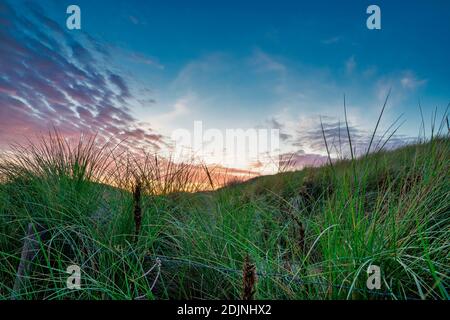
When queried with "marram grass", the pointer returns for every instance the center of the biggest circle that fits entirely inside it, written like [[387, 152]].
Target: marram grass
[[310, 234]]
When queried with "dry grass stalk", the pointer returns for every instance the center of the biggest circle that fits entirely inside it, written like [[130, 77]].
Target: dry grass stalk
[[249, 280], [137, 210]]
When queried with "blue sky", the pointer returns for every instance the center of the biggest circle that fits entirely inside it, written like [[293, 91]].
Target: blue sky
[[231, 64]]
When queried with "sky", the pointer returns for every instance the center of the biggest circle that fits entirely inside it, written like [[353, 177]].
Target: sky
[[140, 70]]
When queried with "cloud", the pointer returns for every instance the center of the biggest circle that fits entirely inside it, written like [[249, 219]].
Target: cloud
[[264, 62], [332, 40], [121, 84], [276, 124], [180, 108], [401, 84], [50, 78], [350, 65], [133, 19], [300, 160], [338, 139], [410, 81], [201, 71], [141, 58]]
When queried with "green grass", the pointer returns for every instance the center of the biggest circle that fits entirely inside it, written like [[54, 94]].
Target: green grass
[[311, 233]]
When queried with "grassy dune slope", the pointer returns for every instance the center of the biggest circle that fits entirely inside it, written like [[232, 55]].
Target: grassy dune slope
[[311, 234]]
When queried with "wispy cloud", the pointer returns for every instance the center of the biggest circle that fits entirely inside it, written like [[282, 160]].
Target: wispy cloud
[[332, 40], [350, 65], [141, 58], [180, 108], [266, 63], [133, 19], [410, 81]]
